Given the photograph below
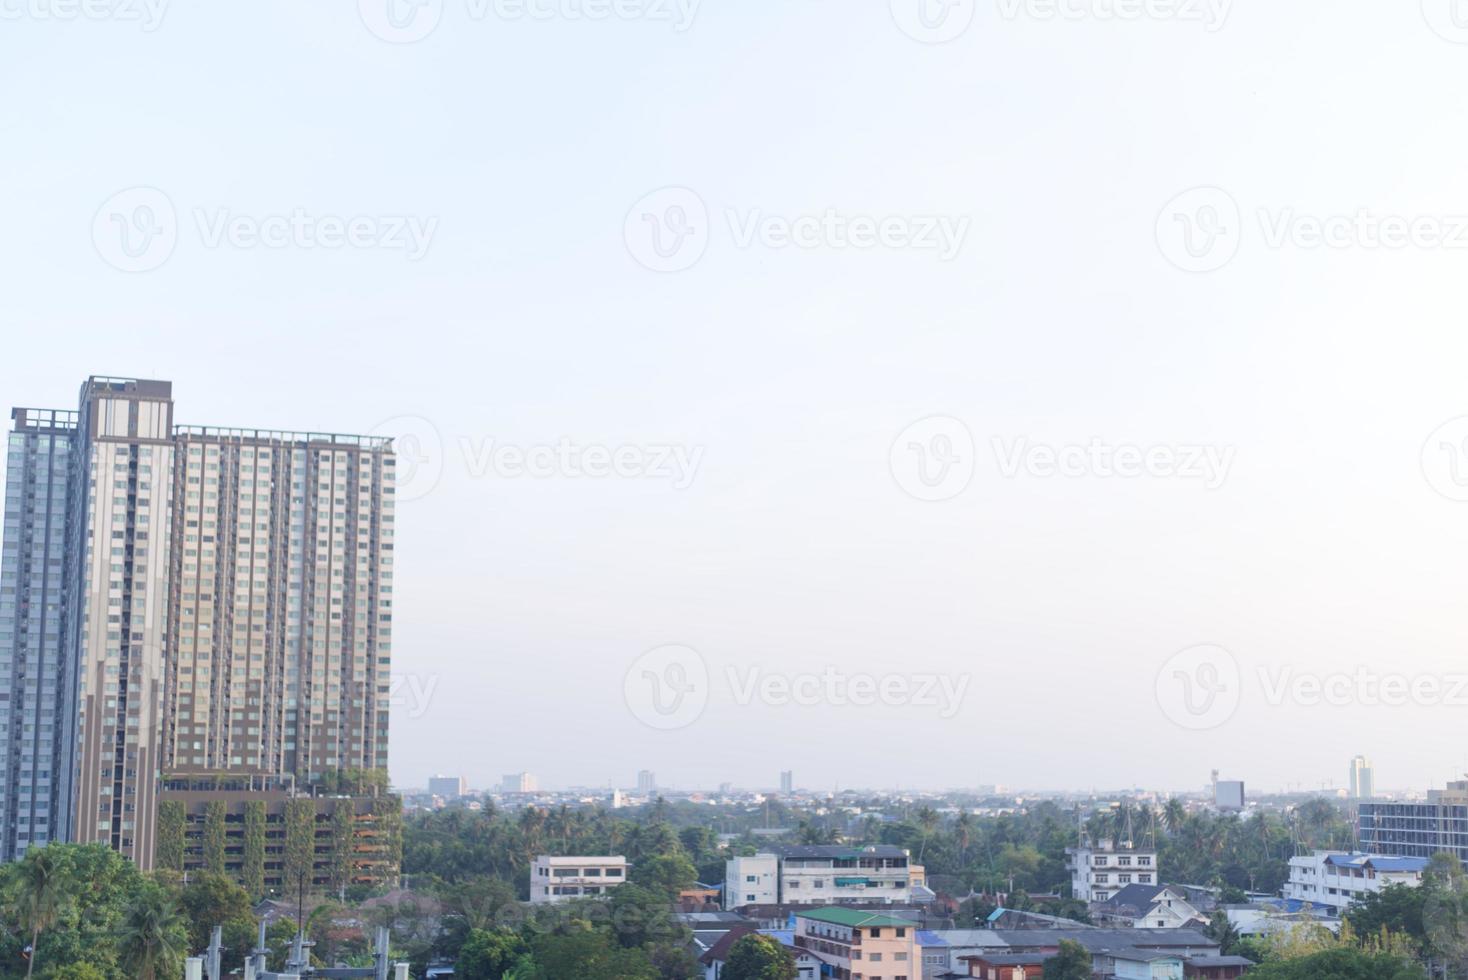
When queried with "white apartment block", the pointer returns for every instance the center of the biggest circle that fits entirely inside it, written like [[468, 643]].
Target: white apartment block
[[752, 881], [1336, 879], [562, 879], [822, 875], [1101, 869]]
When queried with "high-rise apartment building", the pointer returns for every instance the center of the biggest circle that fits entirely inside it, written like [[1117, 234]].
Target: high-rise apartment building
[[183, 600], [787, 782], [38, 683], [1363, 779]]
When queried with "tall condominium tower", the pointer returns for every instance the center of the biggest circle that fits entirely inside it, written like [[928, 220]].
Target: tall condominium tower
[[183, 600], [36, 681], [117, 602], [282, 612]]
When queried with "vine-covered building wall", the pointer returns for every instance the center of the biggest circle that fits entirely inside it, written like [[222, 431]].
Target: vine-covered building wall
[[265, 839]]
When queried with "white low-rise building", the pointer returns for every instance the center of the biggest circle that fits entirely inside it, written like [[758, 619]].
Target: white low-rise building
[[1099, 870], [823, 875], [1336, 879], [562, 879]]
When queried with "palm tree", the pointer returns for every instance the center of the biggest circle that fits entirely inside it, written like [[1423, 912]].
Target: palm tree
[[1173, 815], [41, 894], [963, 830], [928, 821], [152, 938]]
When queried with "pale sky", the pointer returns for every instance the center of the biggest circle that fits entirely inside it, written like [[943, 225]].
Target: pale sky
[[504, 290]]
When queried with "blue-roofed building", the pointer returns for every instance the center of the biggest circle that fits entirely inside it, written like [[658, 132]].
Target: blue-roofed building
[[1335, 880]]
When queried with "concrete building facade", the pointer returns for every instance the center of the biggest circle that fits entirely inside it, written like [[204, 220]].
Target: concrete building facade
[[1100, 869], [564, 879], [822, 875], [1336, 879], [856, 945], [183, 600], [1417, 829]]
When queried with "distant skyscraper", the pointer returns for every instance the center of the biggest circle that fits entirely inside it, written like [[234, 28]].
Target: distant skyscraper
[[787, 782], [183, 600], [1363, 779], [519, 782], [449, 787], [647, 782], [1228, 794]]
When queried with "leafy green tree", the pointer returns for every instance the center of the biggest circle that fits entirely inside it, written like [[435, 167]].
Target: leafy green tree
[[210, 900], [1222, 931], [488, 955], [640, 916], [757, 957], [1340, 964], [1396, 908], [76, 971], [42, 889], [665, 874], [588, 954], [153, 939], [673, 961], [1073, 962]]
